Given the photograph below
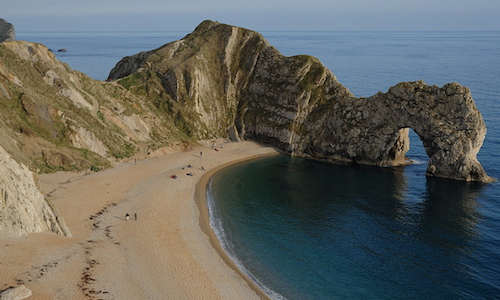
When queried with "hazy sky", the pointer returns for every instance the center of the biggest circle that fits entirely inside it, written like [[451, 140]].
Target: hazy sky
[[260, 15]]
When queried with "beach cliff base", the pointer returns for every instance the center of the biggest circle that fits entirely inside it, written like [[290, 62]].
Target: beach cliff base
[[168, 252]]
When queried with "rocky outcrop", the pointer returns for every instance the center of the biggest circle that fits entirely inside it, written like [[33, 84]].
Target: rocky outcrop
[[227, 81], [23, 208], [446, 120], [7, 32], [129, 64]]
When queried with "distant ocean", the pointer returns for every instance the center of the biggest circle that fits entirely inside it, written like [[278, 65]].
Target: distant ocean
[[303, 229]]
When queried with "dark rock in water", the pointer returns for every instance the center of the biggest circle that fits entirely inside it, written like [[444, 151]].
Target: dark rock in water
[[62, 50], [227, 81], [7, 32]]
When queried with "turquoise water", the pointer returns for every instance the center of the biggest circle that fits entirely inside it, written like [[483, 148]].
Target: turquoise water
[[309, 230]]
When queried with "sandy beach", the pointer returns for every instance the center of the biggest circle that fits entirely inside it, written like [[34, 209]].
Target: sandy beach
[[169, 252]]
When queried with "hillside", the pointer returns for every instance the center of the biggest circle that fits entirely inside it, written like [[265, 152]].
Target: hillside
[[54, 118]]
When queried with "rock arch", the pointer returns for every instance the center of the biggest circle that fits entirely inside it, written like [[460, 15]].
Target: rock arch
[[297, 105], [446, 119], [375, 130], [324, 120]]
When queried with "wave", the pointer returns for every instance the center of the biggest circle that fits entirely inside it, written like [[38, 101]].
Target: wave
[[229, 248], [416, 160]]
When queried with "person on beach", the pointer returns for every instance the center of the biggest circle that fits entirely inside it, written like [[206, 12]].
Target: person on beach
[[127, 216], [201, 154], [135, 161], [135, 216]]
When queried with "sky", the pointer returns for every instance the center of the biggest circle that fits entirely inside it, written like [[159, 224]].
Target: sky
[[259, 15]]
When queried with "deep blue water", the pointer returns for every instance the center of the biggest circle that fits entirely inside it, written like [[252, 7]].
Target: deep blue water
[[309, 230]]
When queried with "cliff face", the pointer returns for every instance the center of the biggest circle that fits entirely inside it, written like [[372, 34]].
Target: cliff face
[[23, 208], [222, 80], [197, 80]]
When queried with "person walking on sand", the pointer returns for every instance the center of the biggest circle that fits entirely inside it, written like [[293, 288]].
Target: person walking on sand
[[201, 153], [127, 216], [135, 216]]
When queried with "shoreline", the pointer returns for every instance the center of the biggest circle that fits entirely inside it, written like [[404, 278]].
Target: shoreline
[[169, 252], [204, 220]]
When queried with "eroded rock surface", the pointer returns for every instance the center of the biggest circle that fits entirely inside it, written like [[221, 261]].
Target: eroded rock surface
[[228, 81], [23, 208]]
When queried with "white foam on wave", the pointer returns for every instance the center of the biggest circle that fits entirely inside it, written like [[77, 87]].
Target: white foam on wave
[[418, 161], [228, 247]]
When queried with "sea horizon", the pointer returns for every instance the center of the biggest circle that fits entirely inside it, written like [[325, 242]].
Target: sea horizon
[[318, 30]]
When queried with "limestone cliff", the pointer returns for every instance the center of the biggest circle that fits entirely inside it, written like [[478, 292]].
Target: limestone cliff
[[223, 81], [196, 80], [23, 208]]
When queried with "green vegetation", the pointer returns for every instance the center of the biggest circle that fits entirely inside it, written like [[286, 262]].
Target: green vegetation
[[315, 72], [132, 80]]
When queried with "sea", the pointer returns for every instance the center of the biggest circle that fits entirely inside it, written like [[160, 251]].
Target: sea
[[305, 229]]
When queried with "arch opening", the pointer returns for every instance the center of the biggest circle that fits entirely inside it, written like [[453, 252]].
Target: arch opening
[[416, 152]]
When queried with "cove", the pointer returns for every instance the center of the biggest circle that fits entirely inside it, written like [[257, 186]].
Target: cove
[[304, 229]]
